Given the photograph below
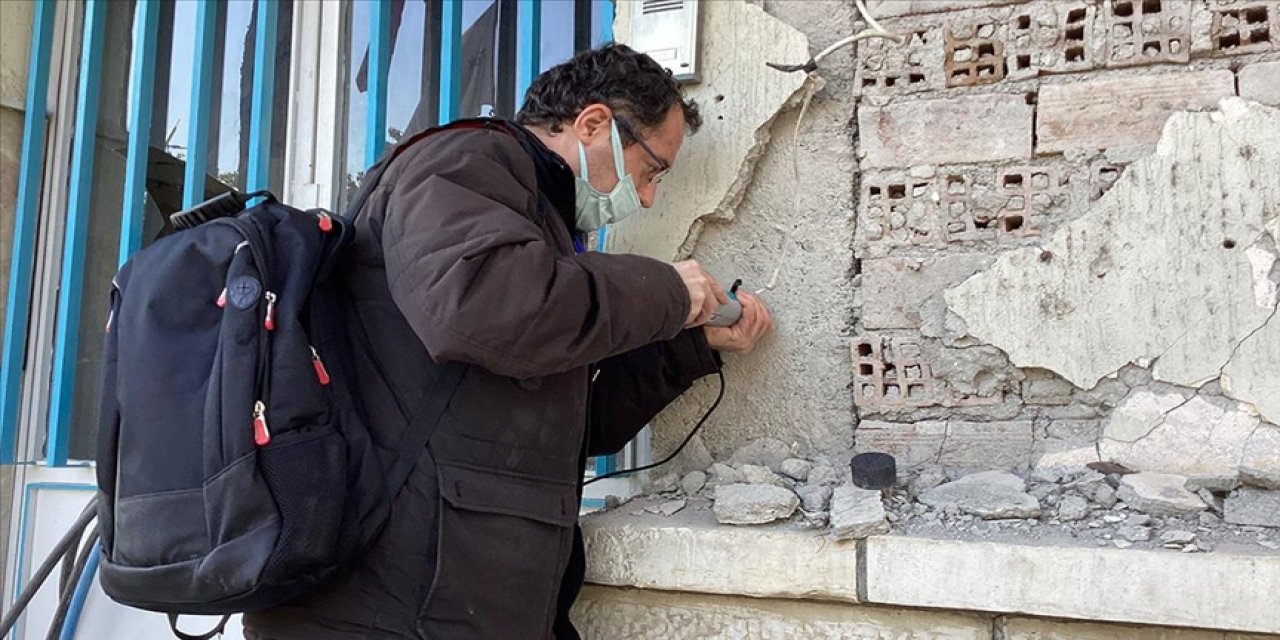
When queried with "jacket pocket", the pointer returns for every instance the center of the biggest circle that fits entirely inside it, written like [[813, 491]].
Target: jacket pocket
[[503, 545]]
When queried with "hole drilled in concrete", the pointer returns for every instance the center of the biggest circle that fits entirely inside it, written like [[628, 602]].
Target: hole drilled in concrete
[[1228, 244]]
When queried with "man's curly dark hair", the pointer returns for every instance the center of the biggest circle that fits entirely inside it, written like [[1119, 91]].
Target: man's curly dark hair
[[626, 80]]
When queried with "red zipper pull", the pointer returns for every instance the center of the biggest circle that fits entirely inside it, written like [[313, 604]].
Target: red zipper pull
[[326, 223], [270, 323], [322, 374], [222, 299], [261, 434]]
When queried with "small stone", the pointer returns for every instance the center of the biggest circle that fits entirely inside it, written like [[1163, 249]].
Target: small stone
[[1134, 534], [1104, 495], [1269, 544], [1045, 475], [753, 503], [814, 498], [667, 483], [612, 502], [1208, 519], [1213, 501], [668, 509], [796, 469], [1113, 518], [767, 452], [1073, 508], [1138, 520], [1191, 548], [1158, 494], [722, 473], [857, 513], [1177, 537], [756, 474], [1122, 544], [1253, 507], [989, 495], [823, 474], [926, 480], [693, 482]]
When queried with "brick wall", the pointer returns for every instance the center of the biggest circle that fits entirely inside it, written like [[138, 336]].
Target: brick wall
[[988, 127]]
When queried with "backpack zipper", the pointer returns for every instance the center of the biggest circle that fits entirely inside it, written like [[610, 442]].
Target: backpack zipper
[[322, 374], [261, 434], [262, 381]]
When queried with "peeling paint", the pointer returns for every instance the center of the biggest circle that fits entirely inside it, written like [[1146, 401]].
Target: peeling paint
[[1171, 271]]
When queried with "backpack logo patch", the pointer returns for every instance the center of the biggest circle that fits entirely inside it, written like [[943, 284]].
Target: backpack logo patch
[[244, 292]]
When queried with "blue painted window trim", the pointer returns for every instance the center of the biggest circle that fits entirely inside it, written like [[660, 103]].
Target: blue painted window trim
[[26, 214], [201, 104], [378, 70], [450, 60], [146, 30], [529, 37], [67, 333], [605, 464], [264, 82]]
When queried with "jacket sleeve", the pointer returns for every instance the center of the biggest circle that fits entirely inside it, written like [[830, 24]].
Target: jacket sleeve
[[633, 387], [480, 282]]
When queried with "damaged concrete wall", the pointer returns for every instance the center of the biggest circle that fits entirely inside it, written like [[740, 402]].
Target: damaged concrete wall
[[795, 387], [992, 231]]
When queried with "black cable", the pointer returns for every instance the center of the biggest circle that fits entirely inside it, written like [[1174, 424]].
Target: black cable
[[680, 448], [72, 536], [64, 601]]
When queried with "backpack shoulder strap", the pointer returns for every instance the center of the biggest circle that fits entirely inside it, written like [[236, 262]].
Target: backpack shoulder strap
[[425, 419]]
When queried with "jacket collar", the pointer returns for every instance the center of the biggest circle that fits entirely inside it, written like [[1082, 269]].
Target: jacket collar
[[555, 178]]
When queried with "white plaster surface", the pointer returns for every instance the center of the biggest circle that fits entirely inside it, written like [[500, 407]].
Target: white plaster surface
[[739, 97], [1193, 437], [1158, 269]]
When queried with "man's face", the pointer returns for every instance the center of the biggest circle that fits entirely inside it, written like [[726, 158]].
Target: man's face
[[646, 166]]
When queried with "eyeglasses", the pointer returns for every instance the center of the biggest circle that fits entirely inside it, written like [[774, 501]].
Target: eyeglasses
[[662, 166]]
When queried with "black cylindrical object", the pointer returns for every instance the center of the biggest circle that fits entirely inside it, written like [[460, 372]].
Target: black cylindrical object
[[874, 470]]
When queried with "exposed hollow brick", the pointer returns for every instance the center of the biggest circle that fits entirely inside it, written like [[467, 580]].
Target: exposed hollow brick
[[1244, 26], [960, 206], [886, 67], [1141, 32], [1046, 38], [889, 372], [1106, 113], [974, 54], [1103, 176]]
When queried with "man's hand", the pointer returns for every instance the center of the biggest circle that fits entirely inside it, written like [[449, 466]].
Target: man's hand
[[756, 322], [705, 294]]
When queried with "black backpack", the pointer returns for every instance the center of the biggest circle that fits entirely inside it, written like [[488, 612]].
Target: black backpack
[[235, 471]]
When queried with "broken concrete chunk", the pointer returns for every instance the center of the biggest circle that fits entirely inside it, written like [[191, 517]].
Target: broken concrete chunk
[[753, 503], [693, 482], [666, 483], [1260, 465], [766, 452], [796, 469], [1073, 508], [1256, 507], [1134, 534], [1158, 494], [668, 508], [814, 498], [925, 480], [989, 495], [857, 513], [1177, 537], [1104, 495], [756, 474], [1202, 438], [823, 474], [722, 473]]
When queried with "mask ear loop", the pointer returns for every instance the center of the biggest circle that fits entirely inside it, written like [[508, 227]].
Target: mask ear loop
[[582, 162], [616, 139]]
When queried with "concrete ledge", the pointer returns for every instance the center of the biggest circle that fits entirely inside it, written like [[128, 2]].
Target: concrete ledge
[[690, 552], [1215, 590]]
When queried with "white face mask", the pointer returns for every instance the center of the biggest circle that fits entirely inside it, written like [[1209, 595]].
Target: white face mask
[[595, 209]]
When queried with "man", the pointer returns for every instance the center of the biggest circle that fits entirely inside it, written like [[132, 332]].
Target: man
[[466, 254]]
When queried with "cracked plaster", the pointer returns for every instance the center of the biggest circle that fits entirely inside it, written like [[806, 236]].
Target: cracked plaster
[[739, 98], [1167, 267]]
